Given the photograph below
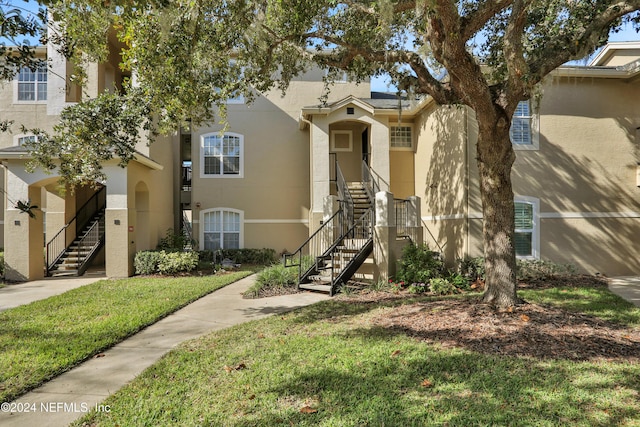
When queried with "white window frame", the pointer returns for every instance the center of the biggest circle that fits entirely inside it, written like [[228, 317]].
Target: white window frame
[[535, 230], [240, 173], [18, 139], [334, 133], [392, 129], [534, 128], [16, 85], [202, 224]]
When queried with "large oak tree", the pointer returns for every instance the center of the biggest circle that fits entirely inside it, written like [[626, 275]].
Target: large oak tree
[[190, 55]]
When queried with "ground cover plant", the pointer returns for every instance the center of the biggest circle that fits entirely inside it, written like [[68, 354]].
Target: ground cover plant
[[45, 338], [401, 359]]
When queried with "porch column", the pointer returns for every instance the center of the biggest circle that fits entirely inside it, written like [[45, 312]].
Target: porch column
[[414, 220], [119, 245], [320, 169], [384, 236], [380, 162], [24, 258]]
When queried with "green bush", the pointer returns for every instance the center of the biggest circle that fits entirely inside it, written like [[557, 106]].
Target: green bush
[[242, 256], [471, 268], [531, 269], [146, 262], [419, 265], [163, 262], [1, 263], [174, 242], [276, 276], [441, 286], [177, 262]]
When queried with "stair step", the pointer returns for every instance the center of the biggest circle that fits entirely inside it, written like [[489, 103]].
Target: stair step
[[315, 287]]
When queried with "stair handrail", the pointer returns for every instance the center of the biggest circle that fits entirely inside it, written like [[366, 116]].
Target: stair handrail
[[371, 180], [92, 235], [323, 239], [57, 245], [357, 238], [344, 195]]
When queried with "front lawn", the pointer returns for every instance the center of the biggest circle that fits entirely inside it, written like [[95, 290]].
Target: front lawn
[[387, 361], [45, 338]]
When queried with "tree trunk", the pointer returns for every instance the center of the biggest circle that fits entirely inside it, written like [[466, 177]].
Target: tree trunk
[[495, 159]]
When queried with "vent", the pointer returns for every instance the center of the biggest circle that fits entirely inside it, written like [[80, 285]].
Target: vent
[[350, 110]]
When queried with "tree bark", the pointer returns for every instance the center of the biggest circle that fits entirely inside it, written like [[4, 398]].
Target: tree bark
[[495, 159]]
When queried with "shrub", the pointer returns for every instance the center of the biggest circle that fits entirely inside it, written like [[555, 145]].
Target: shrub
[[163, 262], [441, 286], [531, 269], [174, 242], [241, 256], [177, 262], [146, 262], [471, 268], [419, 264], [276, 276], [1, 263]]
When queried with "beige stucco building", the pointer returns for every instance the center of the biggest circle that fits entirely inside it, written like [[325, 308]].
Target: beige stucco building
[[286, 164]]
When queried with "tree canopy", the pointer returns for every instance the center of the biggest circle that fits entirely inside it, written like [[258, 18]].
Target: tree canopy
[[189, 55]]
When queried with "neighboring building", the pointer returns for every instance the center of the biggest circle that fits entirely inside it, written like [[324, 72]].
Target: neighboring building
[[271, 179]]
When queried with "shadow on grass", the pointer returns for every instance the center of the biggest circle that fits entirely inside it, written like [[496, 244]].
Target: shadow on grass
[[461, 389]]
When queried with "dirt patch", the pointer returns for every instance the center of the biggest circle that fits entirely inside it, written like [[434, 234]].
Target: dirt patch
[[529, 330]]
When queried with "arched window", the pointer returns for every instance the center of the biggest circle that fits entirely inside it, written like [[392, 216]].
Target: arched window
[[221, 229]]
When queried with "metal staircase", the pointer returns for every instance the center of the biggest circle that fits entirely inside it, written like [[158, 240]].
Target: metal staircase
[[333, 254], [86, 232]]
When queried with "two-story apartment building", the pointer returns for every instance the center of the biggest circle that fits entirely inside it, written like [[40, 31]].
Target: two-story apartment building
[[271, 180]]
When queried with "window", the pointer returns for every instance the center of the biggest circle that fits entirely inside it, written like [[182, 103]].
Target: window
[[523, 132], [400, 137], [221, 229], [526, 227], [222, 155], [32, 84], [22, 140]]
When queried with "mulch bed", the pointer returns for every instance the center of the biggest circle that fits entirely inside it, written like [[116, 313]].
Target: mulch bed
[[527, 330]]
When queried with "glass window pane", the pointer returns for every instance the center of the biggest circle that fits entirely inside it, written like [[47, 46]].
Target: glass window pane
[[212, 241], [401, 136], [524, 215], [231, 241], [231, 165], [523, 244], [212, 166]]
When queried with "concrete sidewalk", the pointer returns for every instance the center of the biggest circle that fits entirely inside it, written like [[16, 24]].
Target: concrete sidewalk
[[626, 287], [71, 395], [13, 295]]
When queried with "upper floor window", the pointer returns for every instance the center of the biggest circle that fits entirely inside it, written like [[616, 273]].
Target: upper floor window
[[32, 84], [523, 131], [222, 155], [526, 239], [401, 137], [22, 140], [221, 229]]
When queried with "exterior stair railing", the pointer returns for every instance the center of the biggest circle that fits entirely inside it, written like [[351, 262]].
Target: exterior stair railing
[[57, 246]]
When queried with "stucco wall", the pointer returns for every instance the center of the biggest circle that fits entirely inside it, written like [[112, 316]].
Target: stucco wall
[[441, 177]]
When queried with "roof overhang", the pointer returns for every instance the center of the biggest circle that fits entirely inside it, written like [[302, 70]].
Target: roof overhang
[[16, 154]]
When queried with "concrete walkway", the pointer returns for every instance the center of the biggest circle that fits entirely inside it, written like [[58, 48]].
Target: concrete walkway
[[626, 287], [13, 295], [71, 395]]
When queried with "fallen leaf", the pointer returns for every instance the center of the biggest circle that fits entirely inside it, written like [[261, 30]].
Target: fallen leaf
[[426, 383], [240, 366], [99, 355], [253, 396], [308, 410], [524, 318], [228, 368], [260, 335], [395, 353]]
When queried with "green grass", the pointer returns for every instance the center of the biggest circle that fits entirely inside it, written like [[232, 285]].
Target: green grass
[[330, 359], [45, 338]]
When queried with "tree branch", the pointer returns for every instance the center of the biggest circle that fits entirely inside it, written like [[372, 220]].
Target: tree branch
[[475, 21]]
